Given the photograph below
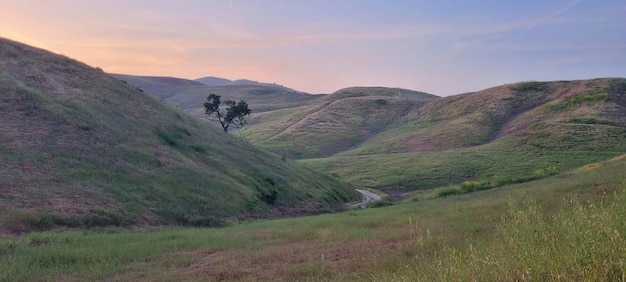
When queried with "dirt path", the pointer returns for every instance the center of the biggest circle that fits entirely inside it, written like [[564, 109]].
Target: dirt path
[[368, 197]]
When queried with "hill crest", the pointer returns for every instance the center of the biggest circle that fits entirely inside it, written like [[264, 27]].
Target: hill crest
[[218, 81]]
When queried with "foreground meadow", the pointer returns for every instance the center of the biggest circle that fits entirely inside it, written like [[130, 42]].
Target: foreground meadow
[[571, 226]]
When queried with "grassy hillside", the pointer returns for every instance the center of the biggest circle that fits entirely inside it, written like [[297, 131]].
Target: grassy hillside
[[570, 226], [401, 140], [190, 95], [501, 135], [334, 123], [478, 118], [81, 148]]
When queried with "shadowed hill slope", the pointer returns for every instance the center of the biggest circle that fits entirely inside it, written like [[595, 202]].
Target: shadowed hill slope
[[161, 86], [81, 148]]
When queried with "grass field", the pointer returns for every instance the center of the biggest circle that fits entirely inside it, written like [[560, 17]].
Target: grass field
[[501, 162], [569, 226]]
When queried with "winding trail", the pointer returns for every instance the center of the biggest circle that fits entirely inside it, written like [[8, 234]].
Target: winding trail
[[368, 197]]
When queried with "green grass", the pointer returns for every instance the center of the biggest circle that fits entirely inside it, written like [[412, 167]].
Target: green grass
[[495, 163], [566, 227], [580, 241]]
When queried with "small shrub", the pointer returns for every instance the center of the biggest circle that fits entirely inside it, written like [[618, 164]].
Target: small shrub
[[618, 86], [270, 181], [588, 98], [169, 138], [39, 241], [471, 186], [589, 120], [379, 204], [556, 107], [552, 170], [173, 136], [199, 148], [268, 197], [539, 173], [449, 192], [531, 86], [7, 247], [205, 221], [381, 102]]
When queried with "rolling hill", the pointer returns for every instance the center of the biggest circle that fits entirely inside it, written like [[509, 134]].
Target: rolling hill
[[401, 140], [334, 123], [506, 134], [294, 124], [79, 147]]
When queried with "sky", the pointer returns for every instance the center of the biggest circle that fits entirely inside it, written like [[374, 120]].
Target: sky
[[319, 46]]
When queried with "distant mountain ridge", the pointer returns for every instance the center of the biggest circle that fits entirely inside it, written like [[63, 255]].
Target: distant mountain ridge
[[218, 81], [190, 95], [214, 81]]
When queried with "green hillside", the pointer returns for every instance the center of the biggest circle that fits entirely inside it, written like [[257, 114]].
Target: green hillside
[[501, 135], [334, 123], [81, 148], [478, 118]]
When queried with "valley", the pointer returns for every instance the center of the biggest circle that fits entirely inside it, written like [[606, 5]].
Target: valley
[[404, 141], [121, 178]]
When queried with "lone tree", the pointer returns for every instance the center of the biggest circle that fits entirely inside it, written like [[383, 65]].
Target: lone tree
[[234, 114]]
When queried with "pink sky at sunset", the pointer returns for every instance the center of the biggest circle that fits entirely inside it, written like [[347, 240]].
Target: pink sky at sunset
[[443, 47]]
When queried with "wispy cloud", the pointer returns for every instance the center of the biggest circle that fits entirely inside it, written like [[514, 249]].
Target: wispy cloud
[[311, 45], [543, 19]]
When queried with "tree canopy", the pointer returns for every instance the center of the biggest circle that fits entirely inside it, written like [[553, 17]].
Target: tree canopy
[[234, 114]]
